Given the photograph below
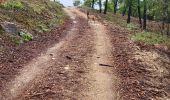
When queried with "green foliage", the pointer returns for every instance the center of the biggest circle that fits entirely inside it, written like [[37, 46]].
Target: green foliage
[[157, 9], [116, 20], [132, 26], [38, 8], [36, 12], [26, 36], [88, 3], [16, 40], [43, 28], [60, 19], [109, 18], [29, 15], [110, 7], [1, 30], [12, 5], [151, 38], [76, 2]]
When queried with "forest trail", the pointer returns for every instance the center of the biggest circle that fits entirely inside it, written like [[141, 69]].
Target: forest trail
[[102, 72], [102, 65], [92, 66], [85, 61]]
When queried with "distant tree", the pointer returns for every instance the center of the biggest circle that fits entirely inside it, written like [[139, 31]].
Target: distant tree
[[88, 3], [76, 2], [115, 6], [157, 10], [139, 14], [144, 15], [130, 10], [100, 6], [124, 7], [93, 2], [106, 5]]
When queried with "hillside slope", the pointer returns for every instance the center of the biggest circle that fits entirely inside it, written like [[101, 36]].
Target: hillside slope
[[28, 16], [40, 24]]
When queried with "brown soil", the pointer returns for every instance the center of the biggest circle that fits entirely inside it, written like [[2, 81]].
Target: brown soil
[[16, 57], [64, 71], [88, 61], [143, 70]]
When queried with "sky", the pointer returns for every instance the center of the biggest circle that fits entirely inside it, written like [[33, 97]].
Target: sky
[[67, 3]]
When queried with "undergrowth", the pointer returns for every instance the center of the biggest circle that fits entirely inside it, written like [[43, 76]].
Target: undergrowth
[[43, 28], [12, 5], [132, 26], [151, 38], [35, 16], [25, 36], [33, 13]]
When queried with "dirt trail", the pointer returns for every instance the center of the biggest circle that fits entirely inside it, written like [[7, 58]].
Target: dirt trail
[[102, 72], [37, 66], [102, 65], [80, 66]]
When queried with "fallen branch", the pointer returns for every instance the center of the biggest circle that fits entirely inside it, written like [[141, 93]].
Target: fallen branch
[[106, 65]]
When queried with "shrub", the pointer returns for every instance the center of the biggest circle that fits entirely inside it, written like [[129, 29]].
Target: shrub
[[151, 38], [16, 40], [26, 36], [38, 8], [132, 26], [43, 28], [12, 5]]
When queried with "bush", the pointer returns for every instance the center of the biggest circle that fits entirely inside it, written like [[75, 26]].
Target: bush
[[16, 40], [132, 26], [43, 28], [12, 5], [26, 36], [38, 8], [151, 38]]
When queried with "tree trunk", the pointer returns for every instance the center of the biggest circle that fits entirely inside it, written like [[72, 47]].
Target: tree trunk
[[144, 15], [163, 26], [115, 6], [100, 5], [124, 12], [130, 10], [124, 9], [167, 29], [93, 4], [139, 14], [105, 10], [165, 12]]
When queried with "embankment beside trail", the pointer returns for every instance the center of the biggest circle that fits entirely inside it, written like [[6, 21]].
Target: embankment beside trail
[[143, 70], [29, 15]]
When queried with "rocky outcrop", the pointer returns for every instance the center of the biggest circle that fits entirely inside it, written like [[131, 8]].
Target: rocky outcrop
[[9, 27]]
